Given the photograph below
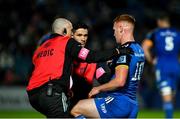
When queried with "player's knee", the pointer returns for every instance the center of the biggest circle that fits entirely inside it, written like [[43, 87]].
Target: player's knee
[[166, 91], [75, 110]]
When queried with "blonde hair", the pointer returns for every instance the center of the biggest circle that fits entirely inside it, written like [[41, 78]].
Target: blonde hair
[[125, 17]]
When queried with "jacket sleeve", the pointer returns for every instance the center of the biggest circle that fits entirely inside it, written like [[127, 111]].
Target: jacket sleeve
[[84, 54]]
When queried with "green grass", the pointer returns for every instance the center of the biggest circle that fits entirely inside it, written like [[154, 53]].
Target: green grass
[[156, 114], [20, 114], [34, 114]]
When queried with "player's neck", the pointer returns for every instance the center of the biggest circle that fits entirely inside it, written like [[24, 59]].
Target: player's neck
[[127, 38], [165, 25]]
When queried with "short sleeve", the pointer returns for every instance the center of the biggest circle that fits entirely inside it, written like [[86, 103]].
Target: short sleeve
[[123, 60]]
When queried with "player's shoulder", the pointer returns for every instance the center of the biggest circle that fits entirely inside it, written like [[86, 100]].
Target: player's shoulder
[[132, 44], [136, 47], [157, 30], [175, 30], [128, 44], [172, 29], [152, 31], [73, 42]]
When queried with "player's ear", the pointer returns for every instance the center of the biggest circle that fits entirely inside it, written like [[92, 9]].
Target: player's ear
[[64, 31], [122, 31], [72, 35]]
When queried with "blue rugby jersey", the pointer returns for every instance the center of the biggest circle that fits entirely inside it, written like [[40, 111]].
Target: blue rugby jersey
[[135, 63], [166, 48]]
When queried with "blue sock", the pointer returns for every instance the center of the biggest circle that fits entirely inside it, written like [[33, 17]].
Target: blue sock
[[168, 108], [80, 117]]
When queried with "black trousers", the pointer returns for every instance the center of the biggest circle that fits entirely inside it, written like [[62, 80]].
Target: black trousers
[[54, 105]]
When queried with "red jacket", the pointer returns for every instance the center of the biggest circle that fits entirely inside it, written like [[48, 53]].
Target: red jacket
[[50, 54], [54, 58], [85, 70]]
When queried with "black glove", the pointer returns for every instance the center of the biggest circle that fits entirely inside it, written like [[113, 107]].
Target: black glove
[[125, 50]]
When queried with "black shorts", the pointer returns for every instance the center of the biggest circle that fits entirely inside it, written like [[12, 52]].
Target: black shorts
[[55, 105]]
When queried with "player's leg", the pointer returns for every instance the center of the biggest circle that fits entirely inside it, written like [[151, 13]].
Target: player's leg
[[85, 107], [167, 96], [168, 99], [106, 107], [112, 106], [134, 111], [164, 84]]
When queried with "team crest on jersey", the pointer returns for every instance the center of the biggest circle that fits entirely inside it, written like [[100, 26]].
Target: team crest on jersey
[[122, 59]]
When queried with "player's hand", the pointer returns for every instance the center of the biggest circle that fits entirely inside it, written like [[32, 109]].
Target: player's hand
[[125, 50], [93, 92]]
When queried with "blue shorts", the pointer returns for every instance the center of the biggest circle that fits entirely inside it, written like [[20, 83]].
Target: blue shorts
[[111, 106], [166, 79]]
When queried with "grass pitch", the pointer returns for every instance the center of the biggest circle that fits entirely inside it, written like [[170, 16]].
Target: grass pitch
[[34, 114]]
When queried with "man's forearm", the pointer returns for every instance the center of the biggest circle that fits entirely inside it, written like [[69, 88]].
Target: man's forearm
[[112, 85]]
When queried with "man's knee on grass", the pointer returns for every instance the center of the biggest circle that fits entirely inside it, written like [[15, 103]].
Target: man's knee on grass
[[76, 110]]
